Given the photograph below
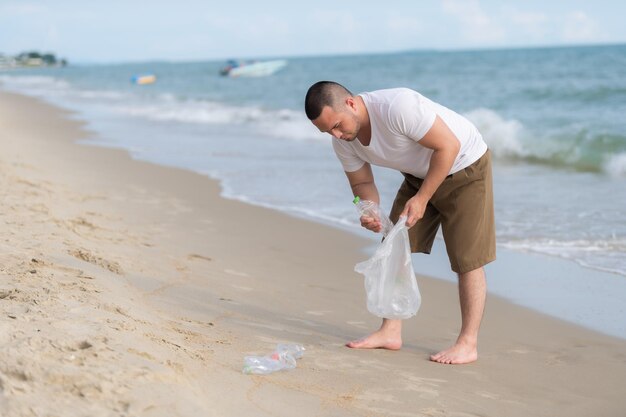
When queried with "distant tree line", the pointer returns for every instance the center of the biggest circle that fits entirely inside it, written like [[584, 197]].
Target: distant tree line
[[32, 59]]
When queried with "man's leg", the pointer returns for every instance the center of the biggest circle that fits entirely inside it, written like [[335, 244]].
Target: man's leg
[[421, 236], [389, 336], [472, 294]]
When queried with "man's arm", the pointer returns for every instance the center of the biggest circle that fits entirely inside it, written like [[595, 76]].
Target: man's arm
[[446, 147], [362, 184]]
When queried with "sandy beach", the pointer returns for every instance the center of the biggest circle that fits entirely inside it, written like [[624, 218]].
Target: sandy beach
[[131, 289]]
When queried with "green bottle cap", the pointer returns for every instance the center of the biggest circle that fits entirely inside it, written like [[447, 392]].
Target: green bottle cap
[[356, 200]]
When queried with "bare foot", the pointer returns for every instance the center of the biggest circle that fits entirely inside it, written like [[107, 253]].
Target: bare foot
[[377, 340], [458, 354]]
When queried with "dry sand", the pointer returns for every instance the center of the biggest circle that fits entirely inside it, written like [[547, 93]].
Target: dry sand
[[130, 289]]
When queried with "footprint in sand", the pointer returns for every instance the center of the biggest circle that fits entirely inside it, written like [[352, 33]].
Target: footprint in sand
[[236, 273], [558, 359], [438, 412], [307, 322], [39, 208], [195, 256], [87, 256], [518, 351], [82, 222], [180, 267], [319, 313], [357, 324], [489, 395], [242, 288]]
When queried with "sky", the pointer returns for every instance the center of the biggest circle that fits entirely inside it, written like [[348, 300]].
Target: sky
[[194, 30]]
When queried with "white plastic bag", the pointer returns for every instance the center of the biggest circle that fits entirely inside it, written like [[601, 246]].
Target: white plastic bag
[[390, 283]]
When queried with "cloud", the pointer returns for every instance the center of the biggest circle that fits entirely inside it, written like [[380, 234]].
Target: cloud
[[245, 35], [341, 28], [528, 25], [403, 25], [22, 9], [475, 25], [401, 32], [579, 27], [528, 19], [508, 25]]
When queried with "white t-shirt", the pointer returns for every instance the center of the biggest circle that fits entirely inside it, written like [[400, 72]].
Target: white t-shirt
[[400, 118]]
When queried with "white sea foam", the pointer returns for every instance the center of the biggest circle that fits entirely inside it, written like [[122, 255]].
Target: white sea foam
[[616, 165], [332, 219], [278, 123], [604, 255], [292, 125], [101, 94], [504, 137], [281, 123], [39, 85], [188, 112], [51, 87], [508, 138]]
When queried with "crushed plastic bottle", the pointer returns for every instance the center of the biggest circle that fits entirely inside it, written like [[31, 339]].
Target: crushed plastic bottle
[[371, 209], [284, 357]]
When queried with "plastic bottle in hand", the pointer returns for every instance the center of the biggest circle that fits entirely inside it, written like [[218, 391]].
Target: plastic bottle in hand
[[371, 209]]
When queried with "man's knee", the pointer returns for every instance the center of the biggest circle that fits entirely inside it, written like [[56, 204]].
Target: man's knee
[[477, 272]]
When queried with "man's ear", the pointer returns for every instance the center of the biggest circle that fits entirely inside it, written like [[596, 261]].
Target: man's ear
[[351, 102]]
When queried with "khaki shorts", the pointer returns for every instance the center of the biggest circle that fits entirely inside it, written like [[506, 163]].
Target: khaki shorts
[[463, 205]]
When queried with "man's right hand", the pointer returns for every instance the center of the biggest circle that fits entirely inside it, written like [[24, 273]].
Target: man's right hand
[[371, 223]]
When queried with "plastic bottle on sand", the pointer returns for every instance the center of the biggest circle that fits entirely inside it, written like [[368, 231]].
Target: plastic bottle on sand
[[284, 357]]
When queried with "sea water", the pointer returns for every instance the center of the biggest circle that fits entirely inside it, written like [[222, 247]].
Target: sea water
[[554, 119]]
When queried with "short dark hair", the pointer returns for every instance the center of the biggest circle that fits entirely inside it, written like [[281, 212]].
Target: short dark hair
[[322, 94]]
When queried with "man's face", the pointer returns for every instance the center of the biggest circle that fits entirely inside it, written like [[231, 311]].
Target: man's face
[[342, 124]]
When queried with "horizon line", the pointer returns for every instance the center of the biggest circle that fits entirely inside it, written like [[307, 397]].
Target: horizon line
[[348, 54]]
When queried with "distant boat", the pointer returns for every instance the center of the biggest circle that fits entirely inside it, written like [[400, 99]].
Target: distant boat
[[142, 79], [252, 68]]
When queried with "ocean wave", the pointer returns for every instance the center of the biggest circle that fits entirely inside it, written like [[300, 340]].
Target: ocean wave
[[582, 149], [504, 137], [576, 147], [51, 87], [508, 139], [190, 112], [34, 84], [593, 93], [281, 123], [99, 94], [168, 107]]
